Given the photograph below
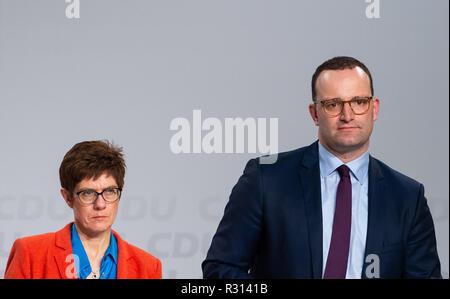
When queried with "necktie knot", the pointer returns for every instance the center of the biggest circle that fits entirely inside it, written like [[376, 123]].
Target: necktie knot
[[344, 171]]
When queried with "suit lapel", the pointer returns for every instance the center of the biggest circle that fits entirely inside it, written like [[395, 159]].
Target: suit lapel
[[63, 255], [375, 210], [65, 261], [126, 266], [309, 173]]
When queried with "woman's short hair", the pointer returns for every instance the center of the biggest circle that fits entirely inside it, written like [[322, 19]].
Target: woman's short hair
[[89, 160]]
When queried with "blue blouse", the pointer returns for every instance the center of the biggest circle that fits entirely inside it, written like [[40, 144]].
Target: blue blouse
[[108, 268]]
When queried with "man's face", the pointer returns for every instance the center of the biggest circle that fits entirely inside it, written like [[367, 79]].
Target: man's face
[[98, 217], [346, 132]]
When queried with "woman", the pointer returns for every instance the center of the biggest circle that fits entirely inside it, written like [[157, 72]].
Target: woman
[[92, 178]]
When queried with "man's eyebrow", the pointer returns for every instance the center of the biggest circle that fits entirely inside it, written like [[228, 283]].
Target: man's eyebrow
[[362, 97], [339, 99], [332, 99]]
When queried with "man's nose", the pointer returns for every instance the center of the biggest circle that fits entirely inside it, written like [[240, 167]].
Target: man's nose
[[347, 113]]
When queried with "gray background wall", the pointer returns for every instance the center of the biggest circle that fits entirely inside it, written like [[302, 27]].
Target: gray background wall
[[125, 69]]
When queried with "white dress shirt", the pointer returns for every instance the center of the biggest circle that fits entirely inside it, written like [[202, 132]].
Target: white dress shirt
[[329, 180]]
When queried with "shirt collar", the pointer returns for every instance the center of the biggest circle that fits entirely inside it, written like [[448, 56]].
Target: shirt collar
[[84, 267], [329, 162], [112, 249]]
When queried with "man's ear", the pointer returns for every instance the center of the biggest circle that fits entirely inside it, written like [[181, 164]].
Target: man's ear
[[313, 112], [67, 197], [376, 108]]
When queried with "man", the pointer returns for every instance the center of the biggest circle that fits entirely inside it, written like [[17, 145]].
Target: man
[[92, 180], [328, 210]]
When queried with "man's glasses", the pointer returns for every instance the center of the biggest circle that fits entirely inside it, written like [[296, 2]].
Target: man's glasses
[[89, 196], [334, 107]]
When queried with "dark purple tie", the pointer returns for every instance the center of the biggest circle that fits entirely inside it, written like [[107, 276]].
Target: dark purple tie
[[340, 239]]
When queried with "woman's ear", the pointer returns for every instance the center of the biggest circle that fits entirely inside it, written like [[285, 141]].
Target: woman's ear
[[67, 197]]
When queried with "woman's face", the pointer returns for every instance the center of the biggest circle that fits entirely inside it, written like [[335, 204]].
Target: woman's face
[[98, 217]]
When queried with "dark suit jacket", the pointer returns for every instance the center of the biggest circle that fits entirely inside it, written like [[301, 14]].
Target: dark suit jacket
[[272, 224]]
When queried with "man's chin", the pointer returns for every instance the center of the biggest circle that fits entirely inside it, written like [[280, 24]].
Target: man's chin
[[349, 144], [345, 143]]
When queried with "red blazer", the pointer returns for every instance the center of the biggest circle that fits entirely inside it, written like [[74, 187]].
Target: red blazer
[[50, 256]]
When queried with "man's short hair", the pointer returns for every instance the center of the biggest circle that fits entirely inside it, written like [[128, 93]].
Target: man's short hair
[[338, 63], [89, 160]]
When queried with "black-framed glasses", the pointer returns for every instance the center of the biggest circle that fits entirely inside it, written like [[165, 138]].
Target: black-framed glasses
[[89, 196], [334, 107]]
